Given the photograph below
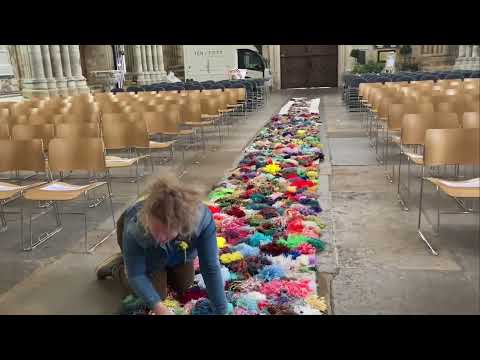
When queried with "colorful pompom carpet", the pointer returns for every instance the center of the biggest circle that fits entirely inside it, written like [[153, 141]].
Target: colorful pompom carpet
[[268, 224]]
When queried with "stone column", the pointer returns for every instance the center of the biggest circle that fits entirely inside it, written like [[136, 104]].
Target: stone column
[[146, 75], [156, 74], [161, 67], [468, 51], [76, 67], [38, 81], [67, 70], [138, 65], [148, 53], [475, 51], [47, 68], [56, 60]]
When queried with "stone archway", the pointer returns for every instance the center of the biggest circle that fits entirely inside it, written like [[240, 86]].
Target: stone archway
[[96, 58]]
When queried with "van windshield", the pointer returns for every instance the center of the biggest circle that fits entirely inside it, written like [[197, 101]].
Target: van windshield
[[250, 60]]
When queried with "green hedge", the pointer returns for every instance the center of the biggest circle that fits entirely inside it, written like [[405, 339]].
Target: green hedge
[[370, 67]]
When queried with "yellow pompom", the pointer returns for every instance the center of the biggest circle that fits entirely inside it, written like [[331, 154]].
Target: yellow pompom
[[183, 245], [272, 168], [317, 303], [221, 242], [230, 257], [170, 303], [300, 133], [312, 174], [292, 189]]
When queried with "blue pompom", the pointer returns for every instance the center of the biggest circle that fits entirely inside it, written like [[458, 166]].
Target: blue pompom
[[246, 250], [271, 272]]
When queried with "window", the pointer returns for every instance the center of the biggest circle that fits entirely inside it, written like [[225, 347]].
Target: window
[[250, 60]]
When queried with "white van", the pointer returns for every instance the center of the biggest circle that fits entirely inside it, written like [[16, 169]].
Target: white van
[[214, 62]]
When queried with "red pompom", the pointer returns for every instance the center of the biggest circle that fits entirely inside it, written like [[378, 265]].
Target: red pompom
[[214, 209]]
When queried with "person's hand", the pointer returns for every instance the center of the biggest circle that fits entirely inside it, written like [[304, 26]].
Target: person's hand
[[160, 309]]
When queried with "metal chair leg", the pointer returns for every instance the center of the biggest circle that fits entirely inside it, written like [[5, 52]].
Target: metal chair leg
[[420, 209]]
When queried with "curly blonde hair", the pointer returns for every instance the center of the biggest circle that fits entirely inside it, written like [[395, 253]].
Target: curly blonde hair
[[173, 204]]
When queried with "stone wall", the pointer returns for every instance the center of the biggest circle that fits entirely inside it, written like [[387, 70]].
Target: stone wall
[[96, 58]]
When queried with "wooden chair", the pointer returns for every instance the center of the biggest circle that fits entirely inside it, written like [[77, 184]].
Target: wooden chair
[[4, 131], [18, 155], [87, 154], [449, 147], [46, 132], [471, 120], [77, 130]]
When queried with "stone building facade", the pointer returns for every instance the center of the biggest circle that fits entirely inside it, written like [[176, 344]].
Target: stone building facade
[[49, 70]]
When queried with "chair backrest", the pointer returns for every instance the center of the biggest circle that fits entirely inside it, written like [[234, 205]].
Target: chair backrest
[[452, 147], [124, 134], [37, 119], [114, 117], [414, 127], [4, 131], [471, 120], [76, 154], [77, 130], [446, 107], [163, 122], [232, 96], [192, 110], [4, 113], [30, 132], [22, 155], [445, 120], [210, 105], [396, 112], [424, 108]]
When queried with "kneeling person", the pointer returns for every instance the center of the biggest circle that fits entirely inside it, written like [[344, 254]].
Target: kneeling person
[[159, 237]]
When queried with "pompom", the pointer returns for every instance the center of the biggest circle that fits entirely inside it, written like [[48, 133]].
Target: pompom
[[274, 249], [229, 258], [306, 249], [247, 250], [221, 242], [259, 239], [271, 272]]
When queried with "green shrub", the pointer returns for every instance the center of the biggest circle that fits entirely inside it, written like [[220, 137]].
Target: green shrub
[[370, 67]]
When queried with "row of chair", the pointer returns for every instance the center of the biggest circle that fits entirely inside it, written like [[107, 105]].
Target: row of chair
[[351, 82], [408, 114]]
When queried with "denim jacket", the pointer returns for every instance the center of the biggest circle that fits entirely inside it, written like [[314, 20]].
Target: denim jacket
[[143, 257]]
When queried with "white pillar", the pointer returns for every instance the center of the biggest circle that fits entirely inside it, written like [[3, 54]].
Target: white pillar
[[76, 66], [161, 66], [156, 74], [38, 81], [138, 65], [47, 68], [56, 60], [468, 51], [146, 75], [148, 55], [67, 70]]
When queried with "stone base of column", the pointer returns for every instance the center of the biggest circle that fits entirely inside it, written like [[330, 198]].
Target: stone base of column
[[467, 63], [72, 87], [162, 76], [141, 80], [52, 87], [35, 88], [472, 63], [62, 89], [81, 85]]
